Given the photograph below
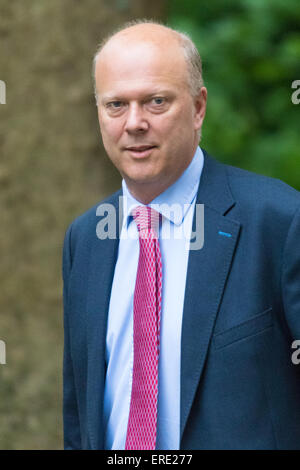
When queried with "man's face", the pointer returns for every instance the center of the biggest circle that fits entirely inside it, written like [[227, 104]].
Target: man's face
[[148, 119]]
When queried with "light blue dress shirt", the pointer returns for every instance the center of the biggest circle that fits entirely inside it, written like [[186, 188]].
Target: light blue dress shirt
[[174, 237]]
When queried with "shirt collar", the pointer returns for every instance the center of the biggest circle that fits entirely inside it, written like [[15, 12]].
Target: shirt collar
[[182, 193]]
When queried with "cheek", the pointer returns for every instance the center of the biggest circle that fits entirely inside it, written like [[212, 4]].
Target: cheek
[[181, 119], [174, 129], [110, 129], [165, 126]]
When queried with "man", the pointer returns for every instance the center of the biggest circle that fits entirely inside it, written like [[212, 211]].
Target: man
[[167, 345]]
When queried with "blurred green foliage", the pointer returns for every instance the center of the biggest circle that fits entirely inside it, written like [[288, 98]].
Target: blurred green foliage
[[251, 55]]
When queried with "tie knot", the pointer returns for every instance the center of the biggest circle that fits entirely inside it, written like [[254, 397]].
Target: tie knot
[[146, 218]]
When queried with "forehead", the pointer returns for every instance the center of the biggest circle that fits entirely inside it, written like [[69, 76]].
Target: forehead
[[132, 65]]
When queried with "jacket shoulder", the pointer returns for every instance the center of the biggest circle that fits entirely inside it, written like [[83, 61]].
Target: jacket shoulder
[[257, 190], [84, 225]]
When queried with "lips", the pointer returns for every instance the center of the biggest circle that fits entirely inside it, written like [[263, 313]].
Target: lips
[[140, 148], [140, 151]]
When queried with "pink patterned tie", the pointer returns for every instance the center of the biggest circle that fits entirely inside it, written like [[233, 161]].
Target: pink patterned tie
[[141, 430]]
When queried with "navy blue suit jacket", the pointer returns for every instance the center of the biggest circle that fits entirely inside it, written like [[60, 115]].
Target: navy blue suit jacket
[[239, 387]]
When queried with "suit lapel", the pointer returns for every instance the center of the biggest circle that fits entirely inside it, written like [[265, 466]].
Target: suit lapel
[[208, 269], [102, 264]]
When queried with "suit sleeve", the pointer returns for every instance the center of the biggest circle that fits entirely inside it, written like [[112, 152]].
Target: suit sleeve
[[71, 422], [291, 277]]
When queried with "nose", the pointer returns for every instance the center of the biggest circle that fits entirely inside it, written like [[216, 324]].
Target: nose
[[136, 122]]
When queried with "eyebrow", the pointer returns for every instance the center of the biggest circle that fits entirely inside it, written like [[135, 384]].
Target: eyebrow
[[109, 97]]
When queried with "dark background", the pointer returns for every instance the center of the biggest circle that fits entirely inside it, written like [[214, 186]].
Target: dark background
[[53, 167]]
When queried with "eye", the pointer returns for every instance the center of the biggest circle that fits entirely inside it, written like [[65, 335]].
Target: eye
[[114, 105], [115, 108], [158, 100]]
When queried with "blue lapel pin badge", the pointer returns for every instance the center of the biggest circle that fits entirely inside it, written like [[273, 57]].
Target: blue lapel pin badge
[[225, 234]]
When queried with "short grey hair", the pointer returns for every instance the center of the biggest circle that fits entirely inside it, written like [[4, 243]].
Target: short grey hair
[[191, 55]]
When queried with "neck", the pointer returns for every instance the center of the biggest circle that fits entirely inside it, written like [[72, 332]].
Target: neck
[[145, 192]]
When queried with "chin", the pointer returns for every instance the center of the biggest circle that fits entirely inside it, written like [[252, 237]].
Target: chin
[[142, 178]]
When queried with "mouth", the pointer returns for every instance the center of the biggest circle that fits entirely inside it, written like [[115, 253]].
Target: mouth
[[140, 151]]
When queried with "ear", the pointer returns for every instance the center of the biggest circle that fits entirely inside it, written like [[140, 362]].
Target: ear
[[200, 108]]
